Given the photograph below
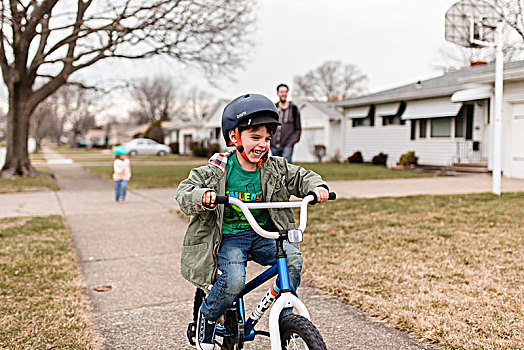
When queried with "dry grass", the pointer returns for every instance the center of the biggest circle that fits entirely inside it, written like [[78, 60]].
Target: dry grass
[[40, 182], [41, 303], [449, 269]]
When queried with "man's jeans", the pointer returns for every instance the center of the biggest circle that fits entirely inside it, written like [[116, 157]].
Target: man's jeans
[[232, 258], [120, 189], [284, 151]]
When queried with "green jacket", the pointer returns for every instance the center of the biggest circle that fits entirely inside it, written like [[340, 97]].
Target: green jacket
[[203, 235]]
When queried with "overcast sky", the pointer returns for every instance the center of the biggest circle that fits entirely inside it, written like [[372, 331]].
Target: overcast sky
[[393, 42]]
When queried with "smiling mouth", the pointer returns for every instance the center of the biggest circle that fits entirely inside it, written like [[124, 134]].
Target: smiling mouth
[[257, 153]]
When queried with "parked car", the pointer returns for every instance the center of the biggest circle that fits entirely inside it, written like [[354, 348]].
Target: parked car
[[83, 144], [146, 147]]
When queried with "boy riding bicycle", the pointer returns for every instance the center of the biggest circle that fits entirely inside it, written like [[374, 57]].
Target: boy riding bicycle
[[218, 239]]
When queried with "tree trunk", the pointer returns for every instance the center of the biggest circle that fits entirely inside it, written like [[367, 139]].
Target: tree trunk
[[17, 158]]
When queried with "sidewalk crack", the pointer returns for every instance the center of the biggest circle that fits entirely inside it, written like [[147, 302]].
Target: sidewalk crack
[[93, 260]]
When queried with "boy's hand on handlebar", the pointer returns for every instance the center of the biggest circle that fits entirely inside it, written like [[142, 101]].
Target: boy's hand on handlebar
[[208, 199], [322, 194]]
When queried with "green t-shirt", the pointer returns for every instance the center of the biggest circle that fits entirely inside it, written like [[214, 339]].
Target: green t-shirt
[[246, 186]]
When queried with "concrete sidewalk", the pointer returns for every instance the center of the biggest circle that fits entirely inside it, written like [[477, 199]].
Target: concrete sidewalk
[[421, 186], [135, 248]]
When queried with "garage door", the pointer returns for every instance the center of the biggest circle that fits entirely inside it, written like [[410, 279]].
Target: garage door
[[517, 141]]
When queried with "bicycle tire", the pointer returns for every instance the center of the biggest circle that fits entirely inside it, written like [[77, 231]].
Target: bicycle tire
[[297, 331]]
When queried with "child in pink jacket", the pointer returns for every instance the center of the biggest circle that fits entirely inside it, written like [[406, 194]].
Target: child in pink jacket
[[122, 172]]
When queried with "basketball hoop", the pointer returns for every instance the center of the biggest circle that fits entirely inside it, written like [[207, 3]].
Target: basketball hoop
[[475, 23], [471, 23]]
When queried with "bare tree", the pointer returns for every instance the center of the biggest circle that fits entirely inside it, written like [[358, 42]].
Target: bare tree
[[44, 123], [198, 104], [511, 12], [332, 81], [156, 99], [50, 40], [452, 57]]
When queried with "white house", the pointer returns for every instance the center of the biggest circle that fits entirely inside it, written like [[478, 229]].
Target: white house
[[445, 120], [321, 125]]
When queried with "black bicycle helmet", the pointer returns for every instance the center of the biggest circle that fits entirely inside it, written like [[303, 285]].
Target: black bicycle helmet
[[250, 109]]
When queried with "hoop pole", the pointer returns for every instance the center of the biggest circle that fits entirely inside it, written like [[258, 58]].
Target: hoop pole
[[497, 125]]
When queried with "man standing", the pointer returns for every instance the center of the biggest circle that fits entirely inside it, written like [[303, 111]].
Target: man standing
[[288, 134]]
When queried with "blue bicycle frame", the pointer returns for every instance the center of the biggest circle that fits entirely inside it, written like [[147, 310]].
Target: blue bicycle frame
[[282, 282]]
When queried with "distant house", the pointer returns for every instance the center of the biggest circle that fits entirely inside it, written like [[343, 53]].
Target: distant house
[[321, 126], [445, 120], [185, 133], [96, 137], [213, 124]]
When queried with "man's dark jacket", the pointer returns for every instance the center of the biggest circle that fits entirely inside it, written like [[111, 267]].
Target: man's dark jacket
[[291, 128]]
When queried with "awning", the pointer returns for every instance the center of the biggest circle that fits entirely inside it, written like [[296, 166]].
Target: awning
[[479, 92], [387, 109], [431, 108], [358, 112]]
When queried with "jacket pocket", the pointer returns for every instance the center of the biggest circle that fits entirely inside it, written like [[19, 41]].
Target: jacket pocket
[[194, 248], [197, 263]]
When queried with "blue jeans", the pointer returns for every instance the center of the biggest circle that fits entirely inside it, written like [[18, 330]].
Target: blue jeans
[[232, 258], [284, 151], [120, 189]]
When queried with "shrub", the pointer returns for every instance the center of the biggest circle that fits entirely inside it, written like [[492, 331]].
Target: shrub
[[356, 158], [155, 132], [380, 159], [174, 147], [213, 148], [408, 159], [201, 151], [319, 151]]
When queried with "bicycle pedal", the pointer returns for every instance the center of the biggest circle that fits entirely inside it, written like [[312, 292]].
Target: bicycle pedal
[[191, 333]]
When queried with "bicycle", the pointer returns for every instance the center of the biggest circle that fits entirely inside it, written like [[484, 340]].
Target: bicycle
[[293, 331]]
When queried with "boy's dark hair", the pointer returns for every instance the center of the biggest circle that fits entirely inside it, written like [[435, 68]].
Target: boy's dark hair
[[284, 85], [271, 128]]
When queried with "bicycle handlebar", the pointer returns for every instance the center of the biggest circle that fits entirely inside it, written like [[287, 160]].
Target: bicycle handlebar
[[311, 198], [225, 199]]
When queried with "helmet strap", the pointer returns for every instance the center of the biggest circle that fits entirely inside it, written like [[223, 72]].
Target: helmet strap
[[239, 146]]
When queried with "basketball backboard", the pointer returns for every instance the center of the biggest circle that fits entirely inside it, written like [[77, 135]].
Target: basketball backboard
[[471, 16]]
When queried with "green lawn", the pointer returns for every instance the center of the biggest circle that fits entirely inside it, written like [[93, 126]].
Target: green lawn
[[29, 183], [449, 269], [83, 155], [41, 304], [149, 176], [343, 171]]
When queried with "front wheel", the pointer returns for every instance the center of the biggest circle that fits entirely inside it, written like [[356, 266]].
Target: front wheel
[[297, 332]]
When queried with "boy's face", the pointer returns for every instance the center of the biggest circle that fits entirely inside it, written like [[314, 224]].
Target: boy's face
[[255, 141]]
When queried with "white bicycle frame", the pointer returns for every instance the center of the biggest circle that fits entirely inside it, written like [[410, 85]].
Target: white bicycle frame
[[286, 299]]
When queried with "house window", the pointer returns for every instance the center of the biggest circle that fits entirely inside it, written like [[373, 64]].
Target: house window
[[464, 122], [441, 127], [422, 128], [413, 130], [469, 122], [368, 121], [392, 120], [459, 123]]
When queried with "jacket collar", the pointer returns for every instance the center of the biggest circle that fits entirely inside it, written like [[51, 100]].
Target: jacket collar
[[220, 160]]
